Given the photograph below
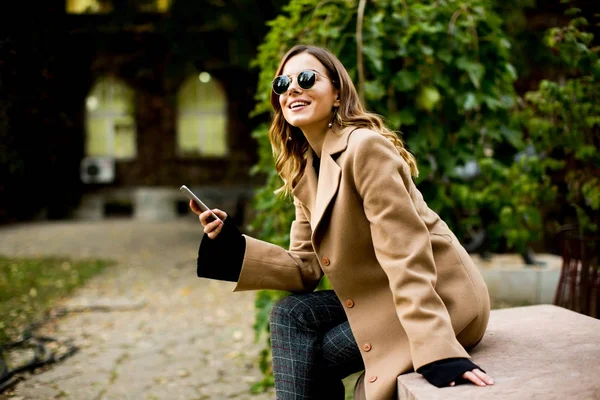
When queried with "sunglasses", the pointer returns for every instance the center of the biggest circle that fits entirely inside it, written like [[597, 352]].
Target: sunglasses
[[306, 79]]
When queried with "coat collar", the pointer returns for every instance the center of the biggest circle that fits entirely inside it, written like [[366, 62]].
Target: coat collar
[[316, 194]]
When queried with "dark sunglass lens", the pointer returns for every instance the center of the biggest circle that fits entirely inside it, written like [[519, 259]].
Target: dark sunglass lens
[[281, 84], [306, 79]]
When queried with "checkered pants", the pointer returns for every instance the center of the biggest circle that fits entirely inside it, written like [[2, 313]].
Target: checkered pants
[[313, 347]]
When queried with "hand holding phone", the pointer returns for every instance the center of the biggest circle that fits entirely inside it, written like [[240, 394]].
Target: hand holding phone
[[203, 207]]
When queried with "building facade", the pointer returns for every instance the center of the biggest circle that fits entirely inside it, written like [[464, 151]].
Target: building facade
[[153, 94]]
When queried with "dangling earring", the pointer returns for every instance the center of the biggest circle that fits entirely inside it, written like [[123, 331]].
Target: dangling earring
[[339, 120], [336, 118]]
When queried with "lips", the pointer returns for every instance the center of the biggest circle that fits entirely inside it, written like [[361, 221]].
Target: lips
[[296, 104]]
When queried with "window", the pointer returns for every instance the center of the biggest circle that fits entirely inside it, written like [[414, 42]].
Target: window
[[106, 6], [88, 7], [153, 6], [202, 117], [110, 124]]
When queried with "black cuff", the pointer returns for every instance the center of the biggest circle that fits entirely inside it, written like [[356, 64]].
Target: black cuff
[[222, 257], [441, 373]]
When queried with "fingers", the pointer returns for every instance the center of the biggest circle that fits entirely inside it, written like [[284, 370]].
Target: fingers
[[478, 377], [207, 216], [220, 214], [204, 214], [194, 207], [483, 376], [469, 375], [212, 229]]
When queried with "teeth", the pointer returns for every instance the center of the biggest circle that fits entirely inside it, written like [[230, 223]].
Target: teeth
[[298, 104]]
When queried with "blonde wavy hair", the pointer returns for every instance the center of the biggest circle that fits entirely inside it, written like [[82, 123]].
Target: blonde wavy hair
[[290, 155]]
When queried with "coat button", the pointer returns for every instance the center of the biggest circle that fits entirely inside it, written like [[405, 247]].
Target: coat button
[[349, 303], [372, 379], [325, 261], [367, 346]]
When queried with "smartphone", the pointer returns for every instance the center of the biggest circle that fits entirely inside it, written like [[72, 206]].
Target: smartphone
[[190, 195]]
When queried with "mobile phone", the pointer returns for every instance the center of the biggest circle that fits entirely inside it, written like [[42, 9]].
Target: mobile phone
[[190, 195]]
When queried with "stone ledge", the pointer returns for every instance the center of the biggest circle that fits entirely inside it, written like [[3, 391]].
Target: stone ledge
[[535, 352], [509, 280]]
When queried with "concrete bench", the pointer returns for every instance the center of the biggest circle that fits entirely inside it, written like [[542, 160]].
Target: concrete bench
[[535, 352]]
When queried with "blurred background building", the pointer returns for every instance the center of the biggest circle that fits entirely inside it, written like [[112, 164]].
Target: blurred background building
[[108, 107]]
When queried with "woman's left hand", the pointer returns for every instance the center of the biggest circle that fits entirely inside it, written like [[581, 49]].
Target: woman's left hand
[[478, 377]]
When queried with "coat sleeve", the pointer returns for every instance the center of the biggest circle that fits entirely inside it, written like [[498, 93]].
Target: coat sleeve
[[267, 266], [403, 248]]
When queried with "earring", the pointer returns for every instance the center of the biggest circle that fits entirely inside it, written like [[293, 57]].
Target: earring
[[338, 119]]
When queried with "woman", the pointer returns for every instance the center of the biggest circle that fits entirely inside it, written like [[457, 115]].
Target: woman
[[406, 295]]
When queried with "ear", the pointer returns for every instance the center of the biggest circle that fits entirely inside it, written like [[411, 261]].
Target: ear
[[337, 101]]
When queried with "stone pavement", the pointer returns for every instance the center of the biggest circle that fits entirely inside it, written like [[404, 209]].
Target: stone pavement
[[193, 338]]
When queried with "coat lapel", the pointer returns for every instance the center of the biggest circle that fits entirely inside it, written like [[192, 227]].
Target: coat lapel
[[306, 188], [317, 194], [329, 181]]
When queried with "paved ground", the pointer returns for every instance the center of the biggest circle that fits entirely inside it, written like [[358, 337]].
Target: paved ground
[[193, 339]]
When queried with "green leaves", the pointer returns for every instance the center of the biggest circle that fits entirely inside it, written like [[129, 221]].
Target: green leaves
[[474, 70], [428, 97], [470, 102], [405, 80], [564, 118]]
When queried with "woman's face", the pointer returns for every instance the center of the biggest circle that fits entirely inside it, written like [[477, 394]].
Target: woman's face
[[308, 108]]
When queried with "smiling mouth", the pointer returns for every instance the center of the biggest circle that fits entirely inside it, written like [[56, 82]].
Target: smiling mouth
[[298, 104]]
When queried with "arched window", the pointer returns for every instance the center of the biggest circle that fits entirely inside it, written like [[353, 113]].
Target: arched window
[[105, 6], [110, 124], [88, 7], [201, 117]]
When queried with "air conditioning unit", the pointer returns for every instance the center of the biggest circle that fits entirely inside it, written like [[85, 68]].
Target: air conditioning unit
[[97, 170]]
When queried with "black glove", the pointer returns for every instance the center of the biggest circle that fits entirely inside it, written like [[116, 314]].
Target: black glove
[[441, 373], [221, 258]]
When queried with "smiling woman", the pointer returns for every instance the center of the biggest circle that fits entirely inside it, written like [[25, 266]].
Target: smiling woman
[[405, 293], [340, 110]]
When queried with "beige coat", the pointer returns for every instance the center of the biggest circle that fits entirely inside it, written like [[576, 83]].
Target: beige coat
[[411, 292]]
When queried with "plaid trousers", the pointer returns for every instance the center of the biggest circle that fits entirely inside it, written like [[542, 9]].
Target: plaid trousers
[[313, 347]]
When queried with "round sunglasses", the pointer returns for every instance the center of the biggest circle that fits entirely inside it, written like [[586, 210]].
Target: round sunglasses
[[306, 79]]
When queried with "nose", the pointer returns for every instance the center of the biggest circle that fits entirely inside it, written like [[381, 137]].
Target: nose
[[294, 87]]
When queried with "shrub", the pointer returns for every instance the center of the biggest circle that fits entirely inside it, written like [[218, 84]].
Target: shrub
[[562, 119]]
